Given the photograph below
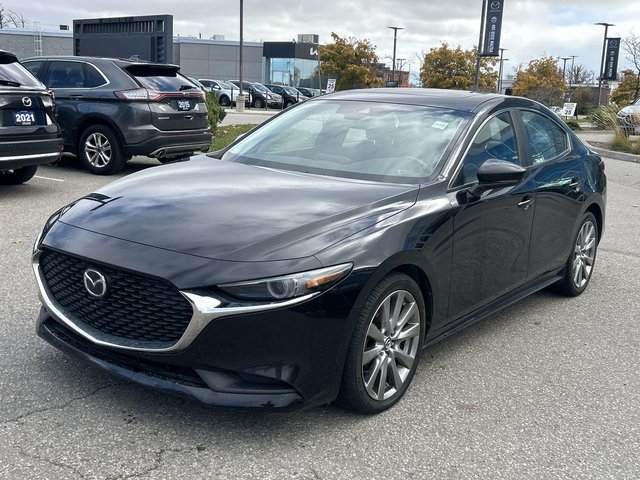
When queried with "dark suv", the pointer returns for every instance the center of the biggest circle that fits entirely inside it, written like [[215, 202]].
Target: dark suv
[[261, 96], [29, 134], [110, 110], [289, 95]]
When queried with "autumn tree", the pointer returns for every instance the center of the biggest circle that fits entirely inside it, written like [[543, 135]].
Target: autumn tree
[[631, 46], [541, 80], [352, 61], [627, 90], [586, 98], [454, 68]]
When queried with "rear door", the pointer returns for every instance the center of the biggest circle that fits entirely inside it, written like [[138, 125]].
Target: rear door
[[558, 174], [175, 102]]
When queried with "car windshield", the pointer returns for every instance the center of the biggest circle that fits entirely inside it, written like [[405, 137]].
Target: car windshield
[[12, 73], [365, 140], [290, 90]]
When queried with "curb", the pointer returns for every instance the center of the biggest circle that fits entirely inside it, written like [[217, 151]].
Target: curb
[[625, 157]]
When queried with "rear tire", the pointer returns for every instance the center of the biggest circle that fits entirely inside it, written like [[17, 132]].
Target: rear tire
[[17, 175], [100, 151], [385, 346], [579, 266]]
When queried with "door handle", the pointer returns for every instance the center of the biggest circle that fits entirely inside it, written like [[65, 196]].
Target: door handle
[[526, 203], [75, 97], [575, 183]]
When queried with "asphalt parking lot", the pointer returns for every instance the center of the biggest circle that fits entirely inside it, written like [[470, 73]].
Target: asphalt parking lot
[[548, 388]]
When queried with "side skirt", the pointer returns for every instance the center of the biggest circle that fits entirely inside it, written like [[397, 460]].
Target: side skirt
[[492, 308]]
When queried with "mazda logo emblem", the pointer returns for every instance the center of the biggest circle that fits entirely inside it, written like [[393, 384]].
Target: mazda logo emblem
[[495, 5], [95, 283], [26, 101]]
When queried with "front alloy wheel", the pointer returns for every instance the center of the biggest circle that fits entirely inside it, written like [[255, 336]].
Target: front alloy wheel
[[391, 345], [385, 346]]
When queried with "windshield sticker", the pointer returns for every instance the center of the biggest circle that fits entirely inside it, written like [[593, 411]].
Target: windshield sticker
[[440, 125]]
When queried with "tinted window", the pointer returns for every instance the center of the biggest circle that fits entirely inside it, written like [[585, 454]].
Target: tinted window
[[376, 141], [495, 140], [33, 67], [92, 78], [14, 73], [65, 75], [160, 79], [546, 139]]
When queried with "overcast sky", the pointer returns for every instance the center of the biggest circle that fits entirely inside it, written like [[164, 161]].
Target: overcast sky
[[531, 29]]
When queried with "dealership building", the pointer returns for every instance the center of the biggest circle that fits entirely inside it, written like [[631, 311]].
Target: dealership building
[[150, 38]]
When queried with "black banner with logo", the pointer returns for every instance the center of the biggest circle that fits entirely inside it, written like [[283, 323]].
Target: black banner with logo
[[611, 63], [492, 28]]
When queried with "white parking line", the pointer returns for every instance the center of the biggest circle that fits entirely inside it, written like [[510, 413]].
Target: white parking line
[[48, 178]]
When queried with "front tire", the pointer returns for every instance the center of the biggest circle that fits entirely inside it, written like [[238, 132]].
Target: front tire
[[224, 101], [259, 103], [100, 151], [385, 347], [579, 266], [17, 175]]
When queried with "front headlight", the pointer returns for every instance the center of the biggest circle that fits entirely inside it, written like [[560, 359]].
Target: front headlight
[[288, 286]]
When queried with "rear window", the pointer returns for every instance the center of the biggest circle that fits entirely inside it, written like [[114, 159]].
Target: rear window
[[14, 74], [161, 79]]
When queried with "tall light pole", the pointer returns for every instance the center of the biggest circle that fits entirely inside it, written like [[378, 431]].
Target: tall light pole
[[395, 40], [240, 98], [502, 60], [564, 67], [604, 55], [476, 83], [573, 60]]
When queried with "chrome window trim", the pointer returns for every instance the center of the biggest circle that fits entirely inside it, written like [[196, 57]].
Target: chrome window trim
[[205, 309], [107, 81]]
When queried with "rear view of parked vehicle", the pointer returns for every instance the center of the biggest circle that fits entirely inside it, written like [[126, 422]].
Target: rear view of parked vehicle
[[110, 110], [29, 134]]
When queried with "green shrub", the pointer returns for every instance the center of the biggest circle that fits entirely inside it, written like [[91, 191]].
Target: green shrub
[[573, 125], [215, 112], [621, 144]]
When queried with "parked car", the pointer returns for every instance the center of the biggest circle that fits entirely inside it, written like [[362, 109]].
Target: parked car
[[110, 109], [261, 96], [349, 232], [628, 119], [289, 95], [29, 134], [225, 92], [309, 92]]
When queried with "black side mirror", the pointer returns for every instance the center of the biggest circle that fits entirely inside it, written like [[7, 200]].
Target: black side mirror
[[497, 174]]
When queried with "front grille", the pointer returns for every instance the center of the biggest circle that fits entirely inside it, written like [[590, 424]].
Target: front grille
[[135, 307]]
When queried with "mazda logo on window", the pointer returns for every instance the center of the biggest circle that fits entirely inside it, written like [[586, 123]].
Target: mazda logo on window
[[26, 101], [95, 283]]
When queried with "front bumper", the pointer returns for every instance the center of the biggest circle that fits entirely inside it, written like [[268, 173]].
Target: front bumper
[[283, 357]]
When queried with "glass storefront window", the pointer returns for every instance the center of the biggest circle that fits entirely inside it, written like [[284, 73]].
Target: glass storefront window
[[295, 72]]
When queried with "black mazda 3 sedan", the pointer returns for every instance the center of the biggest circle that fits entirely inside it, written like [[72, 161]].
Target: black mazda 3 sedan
[[314, 258]]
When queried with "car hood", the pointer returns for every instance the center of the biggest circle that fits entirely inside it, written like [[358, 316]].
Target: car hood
[[231, 211], [630, 109]]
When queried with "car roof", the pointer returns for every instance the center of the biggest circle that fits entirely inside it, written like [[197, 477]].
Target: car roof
[[121, 62], [456, 99]]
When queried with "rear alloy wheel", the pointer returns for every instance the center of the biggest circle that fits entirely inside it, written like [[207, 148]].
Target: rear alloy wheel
[[100, 151], [17, 175], [579, 266], [385, 347], [224, 101]]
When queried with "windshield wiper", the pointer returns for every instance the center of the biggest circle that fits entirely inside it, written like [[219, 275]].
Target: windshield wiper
[[9, 83]]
